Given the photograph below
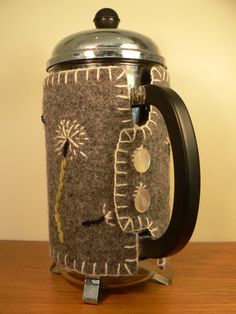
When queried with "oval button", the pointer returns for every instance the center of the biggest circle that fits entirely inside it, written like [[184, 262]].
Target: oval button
[[142, 160], [142, 200]]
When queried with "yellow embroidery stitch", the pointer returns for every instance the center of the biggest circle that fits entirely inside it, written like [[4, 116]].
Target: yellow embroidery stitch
[[58, 200]]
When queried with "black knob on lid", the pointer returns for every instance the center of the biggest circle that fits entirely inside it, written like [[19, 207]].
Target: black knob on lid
[[106, 18]]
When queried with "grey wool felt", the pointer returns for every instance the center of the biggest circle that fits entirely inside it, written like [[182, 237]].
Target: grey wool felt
[[90, 142]]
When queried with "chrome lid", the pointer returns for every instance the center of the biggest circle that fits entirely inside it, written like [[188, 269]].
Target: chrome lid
[[105, 42]]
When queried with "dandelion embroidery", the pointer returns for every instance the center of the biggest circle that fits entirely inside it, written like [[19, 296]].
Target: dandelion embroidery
[[72, 133], [69, 138]]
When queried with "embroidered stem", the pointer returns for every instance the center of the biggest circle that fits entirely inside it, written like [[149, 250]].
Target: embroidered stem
[[58, 200], [98, 221]]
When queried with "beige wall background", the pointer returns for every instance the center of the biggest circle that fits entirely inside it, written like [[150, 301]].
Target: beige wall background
[[198, 39]]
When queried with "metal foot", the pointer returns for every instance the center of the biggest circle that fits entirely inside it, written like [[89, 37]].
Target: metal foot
[[54, 270], [91, 292], [164, 274]]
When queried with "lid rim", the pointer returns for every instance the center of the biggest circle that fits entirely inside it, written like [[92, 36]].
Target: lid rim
[[68, 58]]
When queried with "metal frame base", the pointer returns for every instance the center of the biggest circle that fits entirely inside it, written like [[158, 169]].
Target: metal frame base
[[164, 274], [91, 293], [92, 284], [54, 270]]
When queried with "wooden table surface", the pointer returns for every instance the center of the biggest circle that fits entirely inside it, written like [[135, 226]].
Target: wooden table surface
[[204, 282]]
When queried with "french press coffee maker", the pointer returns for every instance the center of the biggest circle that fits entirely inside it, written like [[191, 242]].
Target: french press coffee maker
[[114, 130]]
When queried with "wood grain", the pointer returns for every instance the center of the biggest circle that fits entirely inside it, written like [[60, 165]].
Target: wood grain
[[204, 282]]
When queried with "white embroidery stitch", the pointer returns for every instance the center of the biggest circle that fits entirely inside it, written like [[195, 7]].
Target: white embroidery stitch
[[127, 268], [140, 222], [82, 267], [120, 76], [121, 86], [106, 269], [122, 206], [126, 121], [122, 96], [58, 78], [118, 269], [58, 257], [75, 76], [130, 246], [110, 76], [123, 109], [98, 74], [65, 260], [87, 74], [66, 77], [94, 268], [130, 260]]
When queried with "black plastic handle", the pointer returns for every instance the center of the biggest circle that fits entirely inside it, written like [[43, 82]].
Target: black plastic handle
[[186, 172]]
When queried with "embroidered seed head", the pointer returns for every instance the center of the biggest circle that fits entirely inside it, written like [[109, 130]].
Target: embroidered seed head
[[70, 137]]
